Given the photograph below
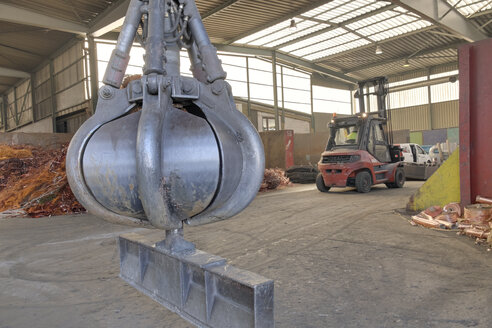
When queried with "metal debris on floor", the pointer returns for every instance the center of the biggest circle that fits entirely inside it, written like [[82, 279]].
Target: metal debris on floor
[[302, 173], [33, 183], [273, 179], [473, 220]]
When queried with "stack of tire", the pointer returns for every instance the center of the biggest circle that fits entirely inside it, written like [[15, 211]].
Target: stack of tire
[[302, 173]]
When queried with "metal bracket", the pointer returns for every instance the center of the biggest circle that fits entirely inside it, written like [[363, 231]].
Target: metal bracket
[[135, 91], [185, 88], [200, 287]]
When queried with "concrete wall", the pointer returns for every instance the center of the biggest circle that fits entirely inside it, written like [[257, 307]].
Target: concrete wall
[[45, 140], [431, 137], [308, 147], [321, 121], [401, 136], [43, 126], [297, 126], [274, 145]]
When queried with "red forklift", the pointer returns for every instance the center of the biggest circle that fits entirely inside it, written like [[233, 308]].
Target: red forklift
[[358, 153]]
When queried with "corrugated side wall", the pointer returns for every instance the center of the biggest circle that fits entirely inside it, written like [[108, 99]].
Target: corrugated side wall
[[413, 118], [68, 73], [445, 114], [441, 115]]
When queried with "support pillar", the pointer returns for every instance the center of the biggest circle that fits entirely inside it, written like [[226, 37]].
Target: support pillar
[[283, 97], [475, 75], [53, 95], [249, 92], [275, 91], [313, 129], [429, 95], [33, 99], [94, 74], [4, 112]]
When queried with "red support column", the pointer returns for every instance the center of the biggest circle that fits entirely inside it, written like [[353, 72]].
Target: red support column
[[475, 73]]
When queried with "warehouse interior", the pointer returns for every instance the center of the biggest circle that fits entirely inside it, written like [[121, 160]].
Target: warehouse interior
[[409, 255]]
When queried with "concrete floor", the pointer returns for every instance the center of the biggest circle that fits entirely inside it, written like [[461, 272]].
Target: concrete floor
[[340, 259]]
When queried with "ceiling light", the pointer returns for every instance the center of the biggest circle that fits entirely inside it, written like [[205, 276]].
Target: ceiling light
[[379, 51], [406, 63], [293, 25]]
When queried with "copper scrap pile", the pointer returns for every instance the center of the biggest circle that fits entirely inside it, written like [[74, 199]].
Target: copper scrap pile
[[34, 180], [273, 179], [475, 221]]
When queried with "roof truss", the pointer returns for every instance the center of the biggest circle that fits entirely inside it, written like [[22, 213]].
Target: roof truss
[[17, 15], [441, 13]]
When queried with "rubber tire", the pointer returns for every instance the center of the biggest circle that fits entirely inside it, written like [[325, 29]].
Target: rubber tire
[[363, 182], [321, 184], [399, 179]]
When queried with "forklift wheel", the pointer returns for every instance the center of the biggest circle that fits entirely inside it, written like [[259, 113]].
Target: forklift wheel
[[399, 179], [321, 184], [363, 182]]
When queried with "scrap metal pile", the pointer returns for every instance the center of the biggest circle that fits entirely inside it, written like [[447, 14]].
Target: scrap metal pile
[[33, 182], [302, 173], [273, 179], [474, 221]]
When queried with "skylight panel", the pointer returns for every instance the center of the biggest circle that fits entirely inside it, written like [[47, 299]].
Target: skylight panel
[[400, 30], [470, 7], [344, 38], [324, 8], [301, 25], [315, 39], [393, 23], [360, 11], [343, 9], [385, 15], [337, 49], [267, 31], [296, 35]]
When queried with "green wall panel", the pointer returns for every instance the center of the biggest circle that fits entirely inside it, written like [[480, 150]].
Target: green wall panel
[[416, 137], [454, 135]]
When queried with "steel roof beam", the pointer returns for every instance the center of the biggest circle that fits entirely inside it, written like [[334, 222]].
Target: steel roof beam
[[17, 15], [219, 8], [114, 16], [346, 52], [287, 58], [441, 13], [277, 21], [401, 58], [8, 72], [110, 19], [335, 26]]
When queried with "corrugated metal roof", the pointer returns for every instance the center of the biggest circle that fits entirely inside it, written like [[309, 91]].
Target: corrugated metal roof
[[484, 22], [81, 11], [382, 25], [396, 49], [470, 7], [339, 34]]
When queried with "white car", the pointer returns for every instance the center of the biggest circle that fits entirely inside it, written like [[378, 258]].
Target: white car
[[413, 153]]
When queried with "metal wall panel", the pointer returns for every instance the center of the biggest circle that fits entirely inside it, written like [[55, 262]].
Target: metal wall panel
[[71, 123], [454, 135], [445, 114], [24, 103], [42, 93], [444, 68], [416, 137], [415, 118], [71, 80], [434, 136], [19, 105]]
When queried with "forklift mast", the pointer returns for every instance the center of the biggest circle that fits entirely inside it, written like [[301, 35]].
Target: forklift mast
[[380, 85]]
